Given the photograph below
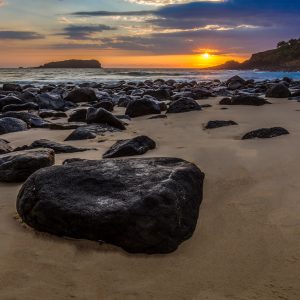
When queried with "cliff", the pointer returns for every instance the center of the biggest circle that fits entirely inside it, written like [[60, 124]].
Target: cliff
[[73, 64], [285, 58]]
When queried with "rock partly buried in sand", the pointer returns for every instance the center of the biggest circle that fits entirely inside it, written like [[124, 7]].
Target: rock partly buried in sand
[[4, 147], [265, 133], [244, 100], [158, 117], [218, 124], [103, 116], [183, 105], [142, 107], [108, 105], [56, 147], [142, 205], [90, 132], [18, 166], [82, 95], [8, 125], [136, 146], [278, 91]]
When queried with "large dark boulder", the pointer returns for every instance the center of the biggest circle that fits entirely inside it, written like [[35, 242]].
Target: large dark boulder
[[8, 125], [20, 107], [161, 94], [5, 147], [236, 79], [56, 147], [142, 205], [183, 105], [218, 124], [51, 101], [265, 133], [18, 166], [279, 90], [142, 107], [102, 116], [136, 146], [244, 100], [83, 94]]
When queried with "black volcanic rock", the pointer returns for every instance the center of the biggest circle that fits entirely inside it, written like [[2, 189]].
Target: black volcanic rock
[[265, 133], [142, 205], [83, 94], [183, 105], [103, 116], [48, 113], [56, 147], [9, 100], [8, 125], [90, 132], [30, 119], [73, 64], [278, 91], [244, 100], [20, 107], [136, 146], [142, 107], [18, 166], [78, 115], [11, 87], [107, 105], [218, 124]]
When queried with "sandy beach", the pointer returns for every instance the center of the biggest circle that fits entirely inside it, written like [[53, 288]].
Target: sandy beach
[[246, 245]]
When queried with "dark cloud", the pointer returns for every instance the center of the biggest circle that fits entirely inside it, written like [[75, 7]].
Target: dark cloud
[[243, 25], [84, 32], [20, 35], [103, 13]]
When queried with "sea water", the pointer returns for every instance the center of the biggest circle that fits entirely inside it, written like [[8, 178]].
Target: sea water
[[42, 76]]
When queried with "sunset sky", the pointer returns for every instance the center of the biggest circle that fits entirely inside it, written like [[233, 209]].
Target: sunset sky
[[143, 33]]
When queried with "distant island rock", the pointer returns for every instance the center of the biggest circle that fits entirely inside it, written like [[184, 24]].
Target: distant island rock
[[286, 57], [73, 64]]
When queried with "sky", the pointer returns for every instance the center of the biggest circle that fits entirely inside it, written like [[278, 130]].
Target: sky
[[143, 33]]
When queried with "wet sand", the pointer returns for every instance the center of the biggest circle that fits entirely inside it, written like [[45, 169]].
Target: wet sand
[[246, 245]]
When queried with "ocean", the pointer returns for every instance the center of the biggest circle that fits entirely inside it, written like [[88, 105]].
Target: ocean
[[43, 76]]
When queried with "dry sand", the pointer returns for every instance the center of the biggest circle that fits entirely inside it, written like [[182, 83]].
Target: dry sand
[[247, 242]]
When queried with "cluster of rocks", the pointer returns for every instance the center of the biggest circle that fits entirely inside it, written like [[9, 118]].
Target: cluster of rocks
[[142, 205]]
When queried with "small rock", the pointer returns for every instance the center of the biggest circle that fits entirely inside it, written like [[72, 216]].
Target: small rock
[[136, 146], [278, 91], [183, 105], [218, 124], [265, 133], [4, 147], [142, 107]]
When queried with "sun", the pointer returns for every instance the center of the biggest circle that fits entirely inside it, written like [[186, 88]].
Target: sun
[[206, 55]]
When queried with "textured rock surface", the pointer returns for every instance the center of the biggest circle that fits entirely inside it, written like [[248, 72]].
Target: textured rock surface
[[103, 116], [218, 124], [142, 205], [136, 146], [183, 105], [265, 133], [8, 125], [143, 107], [278, 91], [18, 166]]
